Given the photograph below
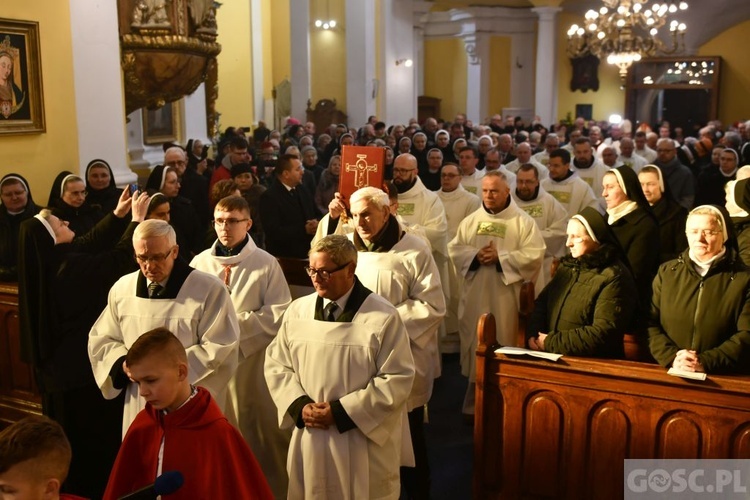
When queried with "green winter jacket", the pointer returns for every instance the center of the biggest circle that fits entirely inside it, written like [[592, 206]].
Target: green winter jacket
[[709, 314], [587, 307]]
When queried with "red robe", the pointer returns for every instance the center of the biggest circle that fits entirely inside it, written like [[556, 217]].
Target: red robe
[[212, 456]]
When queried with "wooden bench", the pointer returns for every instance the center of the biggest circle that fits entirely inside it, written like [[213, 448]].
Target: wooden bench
[[562, 430]]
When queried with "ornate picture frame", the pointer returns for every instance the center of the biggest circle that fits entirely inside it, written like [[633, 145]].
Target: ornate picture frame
[[162, 124], [21, 95]]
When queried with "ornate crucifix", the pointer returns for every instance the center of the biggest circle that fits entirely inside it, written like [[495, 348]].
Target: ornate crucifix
[[362, 170]]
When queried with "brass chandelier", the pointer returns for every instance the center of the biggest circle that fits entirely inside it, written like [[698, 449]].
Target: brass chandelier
[[624, 31]]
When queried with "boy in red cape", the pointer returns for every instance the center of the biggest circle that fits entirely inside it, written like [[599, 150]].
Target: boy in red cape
[[181, 429]]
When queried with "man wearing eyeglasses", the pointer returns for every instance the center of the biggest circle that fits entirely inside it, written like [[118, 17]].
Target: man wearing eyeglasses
[[260, 296], [676, 175], [549, 215], [165, 292], [193, 185], [399, 267], [340, 371]]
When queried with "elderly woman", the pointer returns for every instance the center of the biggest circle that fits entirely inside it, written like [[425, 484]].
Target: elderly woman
[[634, 226], [588, 305], [328, 184], [700, 314], [669, 214], [67, 200], [16, 205]]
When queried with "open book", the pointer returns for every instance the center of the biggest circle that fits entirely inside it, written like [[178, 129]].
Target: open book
[[520, 351], [691, 375]]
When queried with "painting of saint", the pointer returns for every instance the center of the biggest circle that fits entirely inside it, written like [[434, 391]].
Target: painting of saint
[[14, 103]]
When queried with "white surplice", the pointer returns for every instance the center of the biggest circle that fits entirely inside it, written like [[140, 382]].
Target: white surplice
[[365, 364], [407, 277], [201, 317], [520, 249], [260, 296], [573, 193]]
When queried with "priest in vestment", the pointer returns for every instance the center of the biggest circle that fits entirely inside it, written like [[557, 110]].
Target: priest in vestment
[[496, 249], [398, 266], [550, 217], [340, 370], [166, 292], [260, 296]]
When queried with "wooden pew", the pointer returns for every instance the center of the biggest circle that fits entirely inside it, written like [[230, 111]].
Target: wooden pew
[[19, 396], [562, 430]]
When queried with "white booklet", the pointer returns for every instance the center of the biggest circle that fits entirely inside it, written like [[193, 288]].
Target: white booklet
[[520, 351], [691, 375]]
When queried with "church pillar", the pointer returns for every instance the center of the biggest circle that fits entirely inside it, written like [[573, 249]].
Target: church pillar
[[361, 87], [256, 32], [477, 77], [398, 89], [195, 116], [300, 41], [522, 71], [100, 110], [546, 64]]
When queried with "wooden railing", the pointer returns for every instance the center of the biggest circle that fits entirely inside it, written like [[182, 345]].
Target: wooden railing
[[562, 429]]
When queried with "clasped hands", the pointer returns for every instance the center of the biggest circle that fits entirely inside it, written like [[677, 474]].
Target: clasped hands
[[687, 361], [487, 255], [317, 415], [537, 343]]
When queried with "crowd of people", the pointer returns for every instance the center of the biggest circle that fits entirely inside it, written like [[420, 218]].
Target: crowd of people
[[621, 230]]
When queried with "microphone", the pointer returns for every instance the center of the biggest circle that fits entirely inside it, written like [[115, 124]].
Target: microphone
[[167, 483]]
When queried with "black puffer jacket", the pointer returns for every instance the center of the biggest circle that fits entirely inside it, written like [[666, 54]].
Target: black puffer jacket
[[587, 307], [709, 314]]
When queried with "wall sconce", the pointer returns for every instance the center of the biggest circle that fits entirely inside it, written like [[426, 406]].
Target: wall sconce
[[406, 62], [326, 25]]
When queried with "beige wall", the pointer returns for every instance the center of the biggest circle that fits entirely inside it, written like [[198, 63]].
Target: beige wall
[[734, 104], [235, 102], [607, 100], [500, 68], [40, 157], [445, 74]]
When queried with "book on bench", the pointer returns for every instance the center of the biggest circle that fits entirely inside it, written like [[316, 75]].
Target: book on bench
[[520, 351]]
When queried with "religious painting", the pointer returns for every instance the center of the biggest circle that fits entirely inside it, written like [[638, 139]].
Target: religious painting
[[361, 166], [585, 73], [162, 124], [21, 99]]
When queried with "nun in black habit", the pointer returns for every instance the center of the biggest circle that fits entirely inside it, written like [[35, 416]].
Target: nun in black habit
[[67, 206], [13, 211], [63, 288], [670, 215], [630, 218], [103, 194]]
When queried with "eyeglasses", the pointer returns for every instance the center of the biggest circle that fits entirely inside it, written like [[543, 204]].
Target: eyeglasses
[[702, 232], [176, 163], [322, 273], [154, 259], [228, 222], [449, 176], [403, 171]]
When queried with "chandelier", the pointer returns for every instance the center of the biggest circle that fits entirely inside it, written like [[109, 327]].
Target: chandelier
[[624, 31]]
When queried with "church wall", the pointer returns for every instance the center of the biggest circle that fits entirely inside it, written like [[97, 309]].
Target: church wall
[[281, 55], [500, 69], [267, 49], [445, 74], [39, 157], [328, 54], [735, 72], [235, 102], [607, 100]]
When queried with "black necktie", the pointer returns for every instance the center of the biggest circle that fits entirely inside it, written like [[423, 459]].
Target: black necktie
[[330, 309], [154, 289]]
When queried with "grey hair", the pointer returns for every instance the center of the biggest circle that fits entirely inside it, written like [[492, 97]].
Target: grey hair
[[369, 195], [45, 213], [338, 248], [155, 228], [496, 173], [176, 148]]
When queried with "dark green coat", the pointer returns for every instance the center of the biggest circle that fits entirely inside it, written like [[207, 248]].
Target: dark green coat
[[671, 217], [709, 314], [587, 307]]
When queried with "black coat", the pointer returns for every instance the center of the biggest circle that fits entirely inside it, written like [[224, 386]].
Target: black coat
[[284, 216], [671, 217], [10, 226], [587, 307]]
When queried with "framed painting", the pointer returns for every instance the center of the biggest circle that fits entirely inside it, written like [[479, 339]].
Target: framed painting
[[21, 97], [162, 125]]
